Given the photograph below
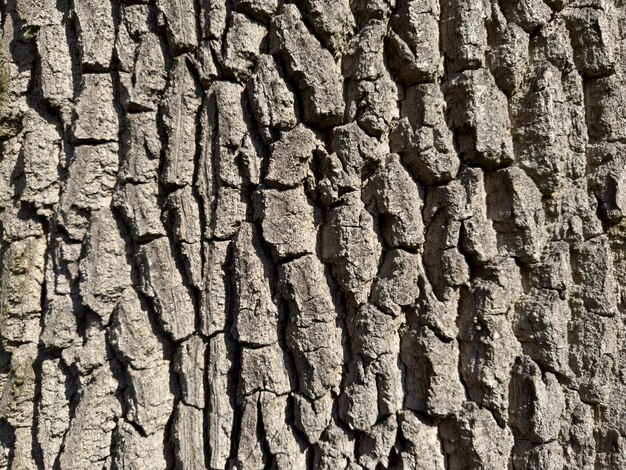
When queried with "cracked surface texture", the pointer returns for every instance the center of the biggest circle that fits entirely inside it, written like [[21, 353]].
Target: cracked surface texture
[[313, 234]]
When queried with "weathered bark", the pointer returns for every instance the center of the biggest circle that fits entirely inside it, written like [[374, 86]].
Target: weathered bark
[[320, 234]]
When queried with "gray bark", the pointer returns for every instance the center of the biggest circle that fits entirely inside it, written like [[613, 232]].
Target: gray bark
[[319, 234]]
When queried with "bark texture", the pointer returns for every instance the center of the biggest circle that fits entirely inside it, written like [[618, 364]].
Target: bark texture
[[313, 234]]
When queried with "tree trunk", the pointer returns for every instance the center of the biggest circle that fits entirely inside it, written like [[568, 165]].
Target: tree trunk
[[320, 234]]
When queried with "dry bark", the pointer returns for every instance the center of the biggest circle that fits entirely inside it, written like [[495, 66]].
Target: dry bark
[[320, 234]]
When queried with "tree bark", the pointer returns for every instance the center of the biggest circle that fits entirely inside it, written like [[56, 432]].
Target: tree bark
[[320, 234]]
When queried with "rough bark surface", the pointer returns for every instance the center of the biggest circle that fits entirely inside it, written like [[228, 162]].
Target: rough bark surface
[[313, 234]]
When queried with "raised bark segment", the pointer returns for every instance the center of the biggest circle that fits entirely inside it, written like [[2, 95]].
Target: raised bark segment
[[311, 66], [324, 234]]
